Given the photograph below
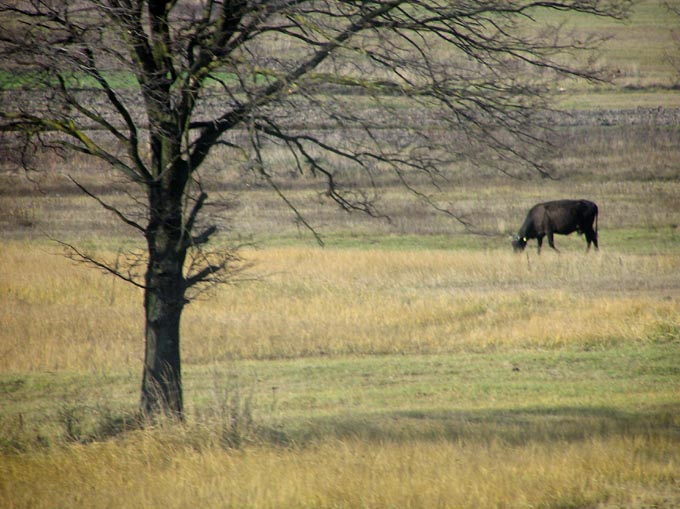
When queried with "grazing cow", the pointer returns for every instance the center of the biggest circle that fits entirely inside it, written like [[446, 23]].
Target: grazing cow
[[561, 216]]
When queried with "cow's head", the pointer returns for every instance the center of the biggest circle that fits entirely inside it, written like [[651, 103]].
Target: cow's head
[[518, 243]]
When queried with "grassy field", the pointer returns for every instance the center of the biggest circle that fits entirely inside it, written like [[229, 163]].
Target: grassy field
[[352, 377], [347, 377], [410, 363]]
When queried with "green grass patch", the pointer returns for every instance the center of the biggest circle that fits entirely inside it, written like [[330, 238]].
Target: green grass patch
[[653, 240], [509, 395]]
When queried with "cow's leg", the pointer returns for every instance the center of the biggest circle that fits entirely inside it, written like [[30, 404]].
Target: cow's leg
[[591, 237], [551, 240], [539, 241]]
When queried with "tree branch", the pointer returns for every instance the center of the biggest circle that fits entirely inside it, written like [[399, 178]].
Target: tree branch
[[78, 255], [108, 207]]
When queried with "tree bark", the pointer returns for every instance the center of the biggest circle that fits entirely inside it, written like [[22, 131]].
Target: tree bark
[[165, 284], [163, 304]]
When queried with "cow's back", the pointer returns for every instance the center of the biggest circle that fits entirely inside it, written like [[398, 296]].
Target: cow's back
[[567, 216]]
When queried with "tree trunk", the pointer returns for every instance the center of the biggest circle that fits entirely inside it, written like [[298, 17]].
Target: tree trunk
[[163, 304], [165, 288]]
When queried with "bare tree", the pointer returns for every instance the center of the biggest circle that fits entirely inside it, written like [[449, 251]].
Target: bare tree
[[467, 76]]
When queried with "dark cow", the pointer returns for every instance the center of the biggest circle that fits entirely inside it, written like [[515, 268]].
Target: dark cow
[[561, 216]]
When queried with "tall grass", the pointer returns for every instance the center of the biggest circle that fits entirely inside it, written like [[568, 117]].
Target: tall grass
[[424, 302], [59, 316], [153, 472]]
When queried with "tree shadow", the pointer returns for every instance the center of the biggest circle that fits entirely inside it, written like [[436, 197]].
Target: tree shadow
[[508, 426]]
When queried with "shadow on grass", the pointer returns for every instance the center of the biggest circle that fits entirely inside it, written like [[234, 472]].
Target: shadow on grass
[[508, 426]]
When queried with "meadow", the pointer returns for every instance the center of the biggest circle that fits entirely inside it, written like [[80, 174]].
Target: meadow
[[351, 377], [410, 363]]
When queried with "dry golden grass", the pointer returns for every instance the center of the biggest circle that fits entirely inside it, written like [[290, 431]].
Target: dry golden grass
[[159, 472], [338, 302], [60, 316]]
